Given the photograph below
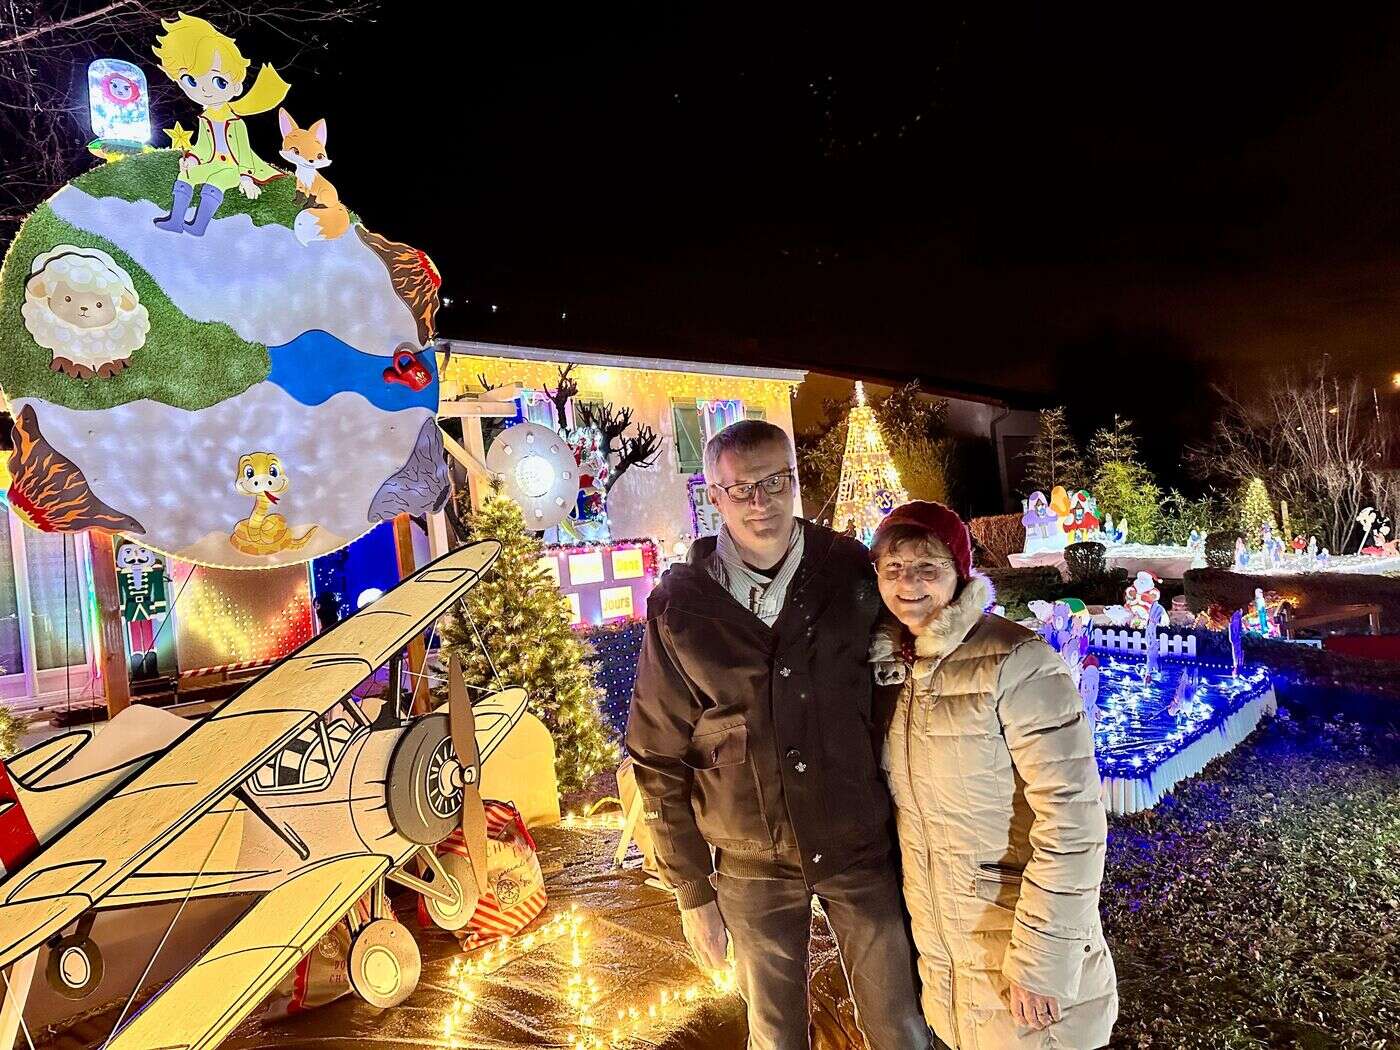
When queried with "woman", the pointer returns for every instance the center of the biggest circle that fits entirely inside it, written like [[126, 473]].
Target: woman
[[991, 765]]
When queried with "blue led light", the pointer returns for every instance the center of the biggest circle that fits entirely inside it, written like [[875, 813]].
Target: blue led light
[[1137, 728]]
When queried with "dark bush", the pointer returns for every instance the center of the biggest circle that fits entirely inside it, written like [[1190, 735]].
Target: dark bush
[[998, 536], [1085, 560], [1220, 549], [1016, 587], [1104, 588]]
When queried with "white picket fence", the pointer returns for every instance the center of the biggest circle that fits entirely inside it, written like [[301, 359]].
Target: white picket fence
[[1130, 641]]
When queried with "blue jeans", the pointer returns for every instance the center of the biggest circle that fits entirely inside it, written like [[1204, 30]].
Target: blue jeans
[[769, 922]]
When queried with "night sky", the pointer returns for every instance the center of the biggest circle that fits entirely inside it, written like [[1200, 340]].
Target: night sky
[[1056, 204]]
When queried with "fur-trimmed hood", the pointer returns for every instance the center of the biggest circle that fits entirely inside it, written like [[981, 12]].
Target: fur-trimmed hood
[[946, 631]]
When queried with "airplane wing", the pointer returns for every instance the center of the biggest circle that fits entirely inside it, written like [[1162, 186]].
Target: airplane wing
[[123, 830], [206, 1002]]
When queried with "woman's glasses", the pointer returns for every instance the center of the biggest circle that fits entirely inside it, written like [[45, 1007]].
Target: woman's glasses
[[928, 571], [773, 484]]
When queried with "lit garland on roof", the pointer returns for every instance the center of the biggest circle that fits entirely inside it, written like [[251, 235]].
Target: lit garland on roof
[[463, 370]]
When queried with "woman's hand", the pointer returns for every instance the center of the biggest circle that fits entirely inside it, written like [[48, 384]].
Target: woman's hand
[[248, 187], [1032, 1010]]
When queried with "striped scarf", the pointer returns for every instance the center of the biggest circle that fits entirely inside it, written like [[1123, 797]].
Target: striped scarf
[[757, 593]]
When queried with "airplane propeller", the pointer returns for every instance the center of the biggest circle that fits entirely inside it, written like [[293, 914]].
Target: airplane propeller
[[462, 726]]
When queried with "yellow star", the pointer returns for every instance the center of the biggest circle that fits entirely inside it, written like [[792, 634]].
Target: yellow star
[[179, 137]]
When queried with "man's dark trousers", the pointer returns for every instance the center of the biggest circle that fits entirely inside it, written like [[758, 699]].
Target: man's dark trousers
[[769, 922]]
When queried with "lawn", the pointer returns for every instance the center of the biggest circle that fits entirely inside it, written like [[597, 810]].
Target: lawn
[[1259, 904]]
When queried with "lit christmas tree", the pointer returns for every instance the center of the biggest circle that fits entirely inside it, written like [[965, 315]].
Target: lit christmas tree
[[1256, 511], [870, 487], [523, 622]]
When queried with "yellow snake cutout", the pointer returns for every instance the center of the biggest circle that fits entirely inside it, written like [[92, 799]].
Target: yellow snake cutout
[[261, 476]]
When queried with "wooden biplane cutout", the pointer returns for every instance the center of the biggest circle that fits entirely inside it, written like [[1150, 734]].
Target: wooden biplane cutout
[[338, 802]]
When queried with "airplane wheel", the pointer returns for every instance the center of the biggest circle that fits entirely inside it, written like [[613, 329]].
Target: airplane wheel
[[75, 967], [384, 963], [424, 806], [463, 880]]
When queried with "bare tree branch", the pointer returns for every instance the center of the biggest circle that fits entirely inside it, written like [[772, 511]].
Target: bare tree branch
[[58, 26]]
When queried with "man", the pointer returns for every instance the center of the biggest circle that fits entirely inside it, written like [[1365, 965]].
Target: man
[[750, 731]]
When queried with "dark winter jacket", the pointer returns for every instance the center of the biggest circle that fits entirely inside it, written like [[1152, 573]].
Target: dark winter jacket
[[757, 740]]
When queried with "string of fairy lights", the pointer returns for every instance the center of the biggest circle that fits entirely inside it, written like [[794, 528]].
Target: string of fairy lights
[[593, 1027]]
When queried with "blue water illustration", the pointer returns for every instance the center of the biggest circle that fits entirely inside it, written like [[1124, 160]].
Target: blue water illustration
[[315, 366]]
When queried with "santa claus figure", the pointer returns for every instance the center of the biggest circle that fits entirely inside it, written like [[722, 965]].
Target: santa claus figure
[[1141, 595]]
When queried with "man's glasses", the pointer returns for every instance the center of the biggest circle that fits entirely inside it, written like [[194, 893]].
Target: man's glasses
[[773, 484], [928, 571]]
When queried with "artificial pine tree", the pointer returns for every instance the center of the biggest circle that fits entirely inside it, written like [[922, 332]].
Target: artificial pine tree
[[524, 623], [870, 487], [1256, 511], [1052, 458]]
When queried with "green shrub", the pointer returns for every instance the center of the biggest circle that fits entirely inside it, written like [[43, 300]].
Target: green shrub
[[1085, 560], [1017, 587], [1220, 549]]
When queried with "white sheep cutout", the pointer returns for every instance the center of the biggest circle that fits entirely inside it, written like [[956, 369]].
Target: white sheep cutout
[[82, 306]]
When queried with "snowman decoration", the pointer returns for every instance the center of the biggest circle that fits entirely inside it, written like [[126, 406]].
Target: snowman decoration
[[1141, 595]]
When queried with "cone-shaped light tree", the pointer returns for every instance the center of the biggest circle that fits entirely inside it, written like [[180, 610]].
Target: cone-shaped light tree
[[1256, 511], [870, 487], [523, 621]]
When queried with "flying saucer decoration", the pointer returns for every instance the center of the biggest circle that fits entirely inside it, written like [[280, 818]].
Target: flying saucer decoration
[[537, 470]]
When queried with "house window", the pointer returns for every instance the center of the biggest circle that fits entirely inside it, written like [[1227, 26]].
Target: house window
[[11, 645], [755, 413], [717, 414], [689, 434], [57, 605], [538, 408]]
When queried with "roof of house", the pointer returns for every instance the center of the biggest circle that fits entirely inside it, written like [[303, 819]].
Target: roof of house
[[469, 347]]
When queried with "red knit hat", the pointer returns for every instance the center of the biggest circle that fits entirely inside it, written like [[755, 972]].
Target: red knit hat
[[938, 520]]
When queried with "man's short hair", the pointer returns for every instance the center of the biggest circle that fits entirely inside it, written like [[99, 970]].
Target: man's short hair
[[743, 436]]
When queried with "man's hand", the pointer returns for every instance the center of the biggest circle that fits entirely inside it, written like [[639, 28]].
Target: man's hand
[[706, 935], [1032, 1010], [248, 187]]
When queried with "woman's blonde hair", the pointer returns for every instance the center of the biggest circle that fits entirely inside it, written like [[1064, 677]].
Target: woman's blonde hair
[[190, 44]]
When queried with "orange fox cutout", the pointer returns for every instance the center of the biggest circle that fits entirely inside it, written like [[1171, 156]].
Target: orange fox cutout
[[324, 218]]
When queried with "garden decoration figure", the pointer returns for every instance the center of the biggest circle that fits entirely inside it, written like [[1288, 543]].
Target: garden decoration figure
[[1366, 519], [1237, 640], [1154, 620], [1179, 615], [1089, 689], [210, 70], [1324, 559], [1106, 533], [1383, 544], [141, 591], [1312, 548], [1195, 540], [1139, 598], [1042, 525], [1060, 504], [1241, 554], [1299, 545], [1083, 519]]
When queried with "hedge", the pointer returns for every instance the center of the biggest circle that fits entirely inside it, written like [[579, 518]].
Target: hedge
[[998, 536], [1309, 593]]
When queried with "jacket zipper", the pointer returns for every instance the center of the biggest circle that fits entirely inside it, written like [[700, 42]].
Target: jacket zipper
[[937, 908]]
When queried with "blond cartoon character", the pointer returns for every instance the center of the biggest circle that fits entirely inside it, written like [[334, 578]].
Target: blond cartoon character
[[210, 70], [81, 305], [262, 476]]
